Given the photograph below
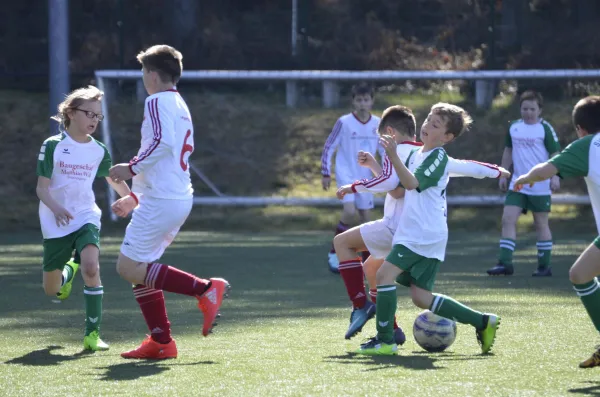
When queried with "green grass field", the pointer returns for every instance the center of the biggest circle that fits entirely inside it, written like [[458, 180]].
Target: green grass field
[[282, 330]]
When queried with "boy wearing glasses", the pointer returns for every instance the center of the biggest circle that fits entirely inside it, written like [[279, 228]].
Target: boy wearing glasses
[[69, 217]]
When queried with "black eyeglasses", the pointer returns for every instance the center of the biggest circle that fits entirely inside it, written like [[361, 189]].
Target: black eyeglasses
[[90, 115]]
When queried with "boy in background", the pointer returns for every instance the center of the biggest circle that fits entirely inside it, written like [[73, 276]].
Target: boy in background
[[352, 133], [530, 140]]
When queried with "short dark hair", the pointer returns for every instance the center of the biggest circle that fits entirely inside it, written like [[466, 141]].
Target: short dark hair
[[362, 88], [400, 118], [164, 60], [531, 95], [457, 119], [586, 114]]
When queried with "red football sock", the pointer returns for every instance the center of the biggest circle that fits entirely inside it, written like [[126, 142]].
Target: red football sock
[[353, 276], [373, 295], [152, 303], [340, 228], [171, 279]]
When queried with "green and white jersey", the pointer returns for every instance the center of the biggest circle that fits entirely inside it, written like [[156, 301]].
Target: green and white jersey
[[71, 167], [531, 145], [582, 158], [423, 227]]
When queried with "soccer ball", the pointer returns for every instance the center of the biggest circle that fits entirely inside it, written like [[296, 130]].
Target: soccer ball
[[434, 333]]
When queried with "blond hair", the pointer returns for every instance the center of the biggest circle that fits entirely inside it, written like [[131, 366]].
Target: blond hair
[[457, 118], [74, 100]]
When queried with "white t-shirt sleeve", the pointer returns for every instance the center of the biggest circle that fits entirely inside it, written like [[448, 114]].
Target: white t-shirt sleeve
[[473, 169], [387, 181], [331, 144], [163, 127]]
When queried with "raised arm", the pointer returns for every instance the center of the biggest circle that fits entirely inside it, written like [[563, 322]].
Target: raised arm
[[386, 181], [475, 169], [407, 179], [366, 159]]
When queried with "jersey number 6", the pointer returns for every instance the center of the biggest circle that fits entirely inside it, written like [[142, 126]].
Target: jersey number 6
[[187, 148]]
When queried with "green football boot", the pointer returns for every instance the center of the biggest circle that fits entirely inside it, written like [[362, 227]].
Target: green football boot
[[375, 347], [93, 342], [487, 335], [65, 290]]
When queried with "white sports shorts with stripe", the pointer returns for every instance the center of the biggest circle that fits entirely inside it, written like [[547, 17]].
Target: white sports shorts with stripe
[[362, 201], [378, 238], [154, 225]]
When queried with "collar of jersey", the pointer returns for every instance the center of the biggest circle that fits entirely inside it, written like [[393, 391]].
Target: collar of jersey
[[414, 143]]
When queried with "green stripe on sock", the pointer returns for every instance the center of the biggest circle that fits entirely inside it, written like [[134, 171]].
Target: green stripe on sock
[[589, 293], [93, 308], [67, 274], [544, 253], [449, 308], [505, 254], [386, 308]]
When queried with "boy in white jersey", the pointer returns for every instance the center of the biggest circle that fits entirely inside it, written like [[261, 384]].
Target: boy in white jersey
[[530, 141], [376, 237], [67, 165], [422, 233], [580, 158], [352, 133], [161, 180]]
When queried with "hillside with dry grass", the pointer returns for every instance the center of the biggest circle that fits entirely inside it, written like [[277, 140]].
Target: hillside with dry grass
[[247, 144]]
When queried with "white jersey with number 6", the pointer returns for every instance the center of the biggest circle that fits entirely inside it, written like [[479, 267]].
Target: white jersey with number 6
[[161, 166]]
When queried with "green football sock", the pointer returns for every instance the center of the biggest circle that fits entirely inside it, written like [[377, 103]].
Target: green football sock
[[386, 308], [507, 247], [544, 253], [67, 274], [93, 308], [589, 293], [449, 308]]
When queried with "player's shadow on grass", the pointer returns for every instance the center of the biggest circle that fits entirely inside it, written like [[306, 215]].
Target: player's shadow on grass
[[139, 369], [45, 357], [414, 360], [592, 390]]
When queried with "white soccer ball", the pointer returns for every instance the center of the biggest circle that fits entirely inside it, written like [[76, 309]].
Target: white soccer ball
[[434, 333]]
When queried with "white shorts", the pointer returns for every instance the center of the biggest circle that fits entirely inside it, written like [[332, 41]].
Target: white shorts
[[362, 201], [377, 237], [154, 225]]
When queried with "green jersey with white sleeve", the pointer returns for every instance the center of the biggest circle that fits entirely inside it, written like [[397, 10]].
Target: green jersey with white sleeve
[[71, 167], [531, 145], [582, 158], [423, 227]]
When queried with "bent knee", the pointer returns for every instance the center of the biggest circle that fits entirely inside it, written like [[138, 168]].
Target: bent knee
[[338, 240], [576, 277], [385, 277], [127, 270], [418, 301], [90, 270]]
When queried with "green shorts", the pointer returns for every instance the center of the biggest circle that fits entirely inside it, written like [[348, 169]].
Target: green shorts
[[58, 251], [597, 242], [528, 202], [417, 269]]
